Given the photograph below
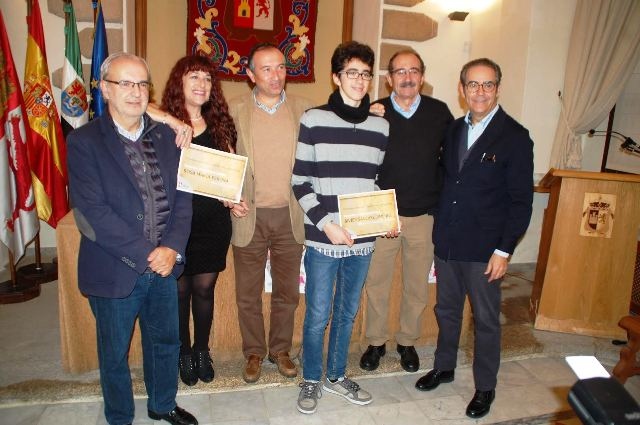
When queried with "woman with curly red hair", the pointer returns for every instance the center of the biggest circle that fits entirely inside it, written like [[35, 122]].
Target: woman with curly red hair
[[193, 95]]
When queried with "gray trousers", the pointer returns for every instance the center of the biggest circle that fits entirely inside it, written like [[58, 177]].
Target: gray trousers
[[455, 280]]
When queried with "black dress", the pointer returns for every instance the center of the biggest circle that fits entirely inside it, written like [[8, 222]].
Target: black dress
[[210, 228]]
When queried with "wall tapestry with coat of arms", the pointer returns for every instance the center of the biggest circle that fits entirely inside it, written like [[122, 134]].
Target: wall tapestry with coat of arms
[[226, 30]]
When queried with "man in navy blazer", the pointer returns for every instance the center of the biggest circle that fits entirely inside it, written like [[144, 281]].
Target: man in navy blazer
[[484, 209], [134, 226]]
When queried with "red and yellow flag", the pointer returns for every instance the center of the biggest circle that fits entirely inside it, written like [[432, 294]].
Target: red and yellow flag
[[18, 220], [47, 150]]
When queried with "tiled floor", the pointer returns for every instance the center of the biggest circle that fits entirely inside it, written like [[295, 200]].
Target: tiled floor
[[529, 391]]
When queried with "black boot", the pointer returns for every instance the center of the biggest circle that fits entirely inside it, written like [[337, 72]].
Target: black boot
[[203, 366], [187, 371]]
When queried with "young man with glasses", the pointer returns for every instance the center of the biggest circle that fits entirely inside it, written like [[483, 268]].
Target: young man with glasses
[[340, 149], [134, 226], [417, 125], [484, 209]]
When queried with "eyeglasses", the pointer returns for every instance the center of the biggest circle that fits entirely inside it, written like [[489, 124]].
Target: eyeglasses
[[353, 75], [404, 71], [487, 86], [129, 85]]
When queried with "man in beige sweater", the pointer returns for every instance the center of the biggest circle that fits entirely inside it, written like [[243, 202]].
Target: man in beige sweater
[[268, 218]]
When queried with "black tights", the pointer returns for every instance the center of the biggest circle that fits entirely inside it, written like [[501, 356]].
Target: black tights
[[196, 291]]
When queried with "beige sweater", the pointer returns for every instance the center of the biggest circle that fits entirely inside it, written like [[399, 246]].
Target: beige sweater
[[242, 110]]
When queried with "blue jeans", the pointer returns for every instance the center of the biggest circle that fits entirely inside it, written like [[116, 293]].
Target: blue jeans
[[325, 273], [154, 301]]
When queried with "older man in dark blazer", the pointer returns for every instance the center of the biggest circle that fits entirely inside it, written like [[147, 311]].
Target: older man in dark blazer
[[484, 209], [134, 226]]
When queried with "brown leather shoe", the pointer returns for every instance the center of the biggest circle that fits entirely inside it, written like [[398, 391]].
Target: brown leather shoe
[[251, 372], [285, 365]]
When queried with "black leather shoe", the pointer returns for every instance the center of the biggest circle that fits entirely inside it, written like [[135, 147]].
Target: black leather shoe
[[408, 358], [480, 403], [370, 360], [188, 373], [434, 378], [203, 366], [177, 416]]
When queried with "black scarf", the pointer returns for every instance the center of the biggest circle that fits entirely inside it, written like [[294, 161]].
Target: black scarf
[[349, 113]]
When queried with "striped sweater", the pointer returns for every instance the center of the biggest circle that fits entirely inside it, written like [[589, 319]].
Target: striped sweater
[[335, 157]]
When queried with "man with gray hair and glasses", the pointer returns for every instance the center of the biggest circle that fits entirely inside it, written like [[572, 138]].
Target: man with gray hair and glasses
[[484, 209], [134, 227], [417, 125]]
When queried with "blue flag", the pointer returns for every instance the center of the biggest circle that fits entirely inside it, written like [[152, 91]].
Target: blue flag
[[100, 53]]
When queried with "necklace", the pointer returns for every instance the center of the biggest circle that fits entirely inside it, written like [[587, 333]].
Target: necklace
[[196, 118]]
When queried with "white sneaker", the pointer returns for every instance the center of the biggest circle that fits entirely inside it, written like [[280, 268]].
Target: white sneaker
[[348, 389], [308, 399]]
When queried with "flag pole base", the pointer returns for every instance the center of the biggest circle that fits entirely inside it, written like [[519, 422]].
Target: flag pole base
[[11, 293], [39, 273]]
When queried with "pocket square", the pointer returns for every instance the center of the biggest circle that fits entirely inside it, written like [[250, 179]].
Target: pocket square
[[488, 157]]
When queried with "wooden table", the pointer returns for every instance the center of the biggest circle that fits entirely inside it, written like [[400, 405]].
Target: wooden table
[[77, 324]]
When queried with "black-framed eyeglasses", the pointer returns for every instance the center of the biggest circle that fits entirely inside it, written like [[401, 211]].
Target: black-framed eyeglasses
[[404, 71], [353, 75], [487, 86], [129, 85]]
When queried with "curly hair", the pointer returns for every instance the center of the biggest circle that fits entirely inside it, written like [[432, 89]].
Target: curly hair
[[351, 50], [215, 111]]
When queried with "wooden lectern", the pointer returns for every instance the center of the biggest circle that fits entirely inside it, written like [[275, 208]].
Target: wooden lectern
[[587, 252]]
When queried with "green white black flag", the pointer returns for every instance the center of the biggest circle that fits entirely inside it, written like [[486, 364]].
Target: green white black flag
[[74, 103]]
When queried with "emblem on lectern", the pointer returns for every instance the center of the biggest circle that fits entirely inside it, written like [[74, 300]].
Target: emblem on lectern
[[598, 214]]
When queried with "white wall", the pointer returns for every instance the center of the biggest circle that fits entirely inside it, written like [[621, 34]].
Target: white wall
[[547, 48]]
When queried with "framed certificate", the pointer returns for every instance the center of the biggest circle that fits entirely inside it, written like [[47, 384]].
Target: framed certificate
[[369, 213], [210, 172]]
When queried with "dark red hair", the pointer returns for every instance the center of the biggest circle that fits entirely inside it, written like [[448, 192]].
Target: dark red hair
[[215, 112]]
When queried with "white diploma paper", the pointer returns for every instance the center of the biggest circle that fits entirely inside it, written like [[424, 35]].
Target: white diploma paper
[[369, 213], [210, 172]]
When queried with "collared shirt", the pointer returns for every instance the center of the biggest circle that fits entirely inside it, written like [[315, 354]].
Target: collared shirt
[[131, 135], [412, 109], [269, 110], [476, 130]]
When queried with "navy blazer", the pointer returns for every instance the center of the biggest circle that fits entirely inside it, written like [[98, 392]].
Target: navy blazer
[[486, 203], [109, 210]]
